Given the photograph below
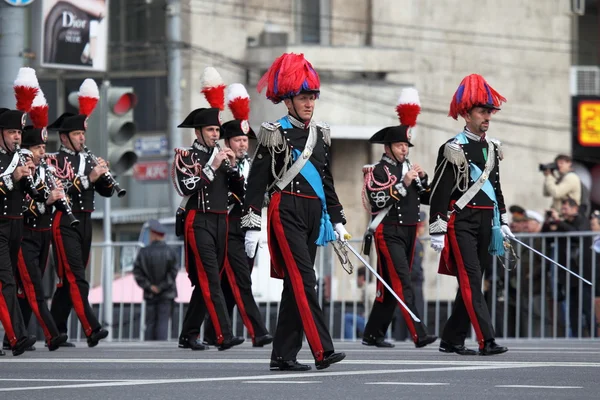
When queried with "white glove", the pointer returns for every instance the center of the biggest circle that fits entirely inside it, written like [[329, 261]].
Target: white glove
[[506, 232], [251, 242], [437, 242], [341, 233]]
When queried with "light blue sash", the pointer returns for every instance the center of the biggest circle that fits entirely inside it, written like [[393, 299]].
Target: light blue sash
[[313, 177], [496, 247]]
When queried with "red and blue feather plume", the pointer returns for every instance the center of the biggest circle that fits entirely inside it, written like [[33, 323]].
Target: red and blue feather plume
[[288, 76], [472, 91]]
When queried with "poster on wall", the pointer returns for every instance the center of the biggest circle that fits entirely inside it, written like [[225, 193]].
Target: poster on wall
[[74, 34]]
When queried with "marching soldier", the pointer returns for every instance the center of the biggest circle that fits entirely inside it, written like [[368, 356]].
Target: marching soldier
[[235, 277], [292, 166], [37, 235], [203, 176], [468, 220], [14, 178], [394, 188], [71, 245]]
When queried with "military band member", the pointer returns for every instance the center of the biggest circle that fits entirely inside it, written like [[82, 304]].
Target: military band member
[[204, 175], [71, 244], [13, 183], [394, 188], [236, 279], [468, 220], [304, 210]]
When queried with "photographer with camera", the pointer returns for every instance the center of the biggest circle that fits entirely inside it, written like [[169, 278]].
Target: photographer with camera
[[560, 181]]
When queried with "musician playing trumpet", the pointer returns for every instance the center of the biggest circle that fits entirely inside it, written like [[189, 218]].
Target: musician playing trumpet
[[393, 191], [236, 271], [203, 178], [81, 179]]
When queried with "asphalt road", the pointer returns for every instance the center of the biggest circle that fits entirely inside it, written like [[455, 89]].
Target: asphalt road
[[532, 369]]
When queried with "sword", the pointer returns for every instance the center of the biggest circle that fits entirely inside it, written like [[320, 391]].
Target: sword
[[551, 260], [362, 260]]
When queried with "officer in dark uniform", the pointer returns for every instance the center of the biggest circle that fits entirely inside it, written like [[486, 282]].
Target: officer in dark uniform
[[71, 244], [236, 279], [392, 188], [13, 185], [204, 175], [468, 220], [37, 236], [304, 209]]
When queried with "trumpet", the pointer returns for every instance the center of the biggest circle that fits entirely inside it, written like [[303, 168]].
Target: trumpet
[[111, 179], [63, 203], [33, 192]]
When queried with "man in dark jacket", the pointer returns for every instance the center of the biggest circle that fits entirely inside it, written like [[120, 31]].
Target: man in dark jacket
[[155, 270]]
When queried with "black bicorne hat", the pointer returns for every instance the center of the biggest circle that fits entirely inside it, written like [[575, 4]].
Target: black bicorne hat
[[236, 127], [12, 119], [69, 122], [33, 136], [392, 134], [202, 117]]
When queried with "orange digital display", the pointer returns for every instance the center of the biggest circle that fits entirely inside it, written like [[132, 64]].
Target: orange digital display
[[589, 123]]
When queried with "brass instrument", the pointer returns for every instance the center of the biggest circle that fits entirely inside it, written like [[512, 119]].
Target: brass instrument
[[62, 204], [111, 179]]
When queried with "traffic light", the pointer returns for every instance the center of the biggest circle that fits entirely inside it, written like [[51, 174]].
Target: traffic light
[[120, 128]]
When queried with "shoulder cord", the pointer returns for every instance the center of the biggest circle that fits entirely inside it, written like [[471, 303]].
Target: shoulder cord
[[373, 185], [190, 170]]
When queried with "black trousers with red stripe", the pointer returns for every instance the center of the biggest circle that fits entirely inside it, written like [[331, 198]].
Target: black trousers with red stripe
[[294, 228], [236, 283], [395, 251], [10, 313], [205, 238], [71, 255], [469, 236], [33, 258]]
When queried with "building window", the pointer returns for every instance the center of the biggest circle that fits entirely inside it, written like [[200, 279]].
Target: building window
[[310, 21]]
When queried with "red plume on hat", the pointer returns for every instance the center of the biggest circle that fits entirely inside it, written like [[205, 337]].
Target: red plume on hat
[[474, 91], [408, 107], [238, 101], [39, 111], [213, 88], [26, 86], [88, 96], [289, 75]]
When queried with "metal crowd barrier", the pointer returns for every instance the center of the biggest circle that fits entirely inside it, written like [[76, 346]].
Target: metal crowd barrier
[[521, 304]]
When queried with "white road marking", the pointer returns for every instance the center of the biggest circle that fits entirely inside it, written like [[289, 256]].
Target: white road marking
[[267, 377], [538, 387], [408, 383], [60, 380], [282, 382]]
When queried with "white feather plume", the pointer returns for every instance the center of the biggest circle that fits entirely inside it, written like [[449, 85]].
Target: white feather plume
[[26, 77], [234, 91], [39, 100], [211, 78], [409, 96], [89, 88]]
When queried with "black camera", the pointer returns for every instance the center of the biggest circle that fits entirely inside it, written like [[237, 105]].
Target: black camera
[[550, 166]]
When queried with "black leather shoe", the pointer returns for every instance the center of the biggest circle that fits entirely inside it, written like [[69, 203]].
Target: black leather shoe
[[2, 353], [65, 344], [23, 344], [490, 348], [377, 342], [209, 342], [96, 336], [330, 359], [425, 340], [229, 343], [192, 343], [55, 342], [293, 366], [446, 347], [260, 341]]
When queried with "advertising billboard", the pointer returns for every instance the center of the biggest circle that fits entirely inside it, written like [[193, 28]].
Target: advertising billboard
[[74, 34]]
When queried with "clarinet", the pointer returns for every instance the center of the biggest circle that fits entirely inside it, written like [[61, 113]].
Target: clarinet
[[33, 192], [64, 204], [226, 160], [111, 179], [417, 180]]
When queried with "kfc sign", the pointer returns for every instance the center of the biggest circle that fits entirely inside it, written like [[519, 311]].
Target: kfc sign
[[151, 171]]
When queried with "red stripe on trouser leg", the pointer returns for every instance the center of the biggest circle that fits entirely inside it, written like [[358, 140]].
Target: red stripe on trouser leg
[[56, 234], [396, 283], [277, 270], [6, 321], [238, 298], [66, 269], [308, 322], [463, 278], [30, 293], [202, 277]]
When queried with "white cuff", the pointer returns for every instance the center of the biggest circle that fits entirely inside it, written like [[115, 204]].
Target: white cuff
[[251, 220], [8, 181], [401, 189], [85, 182], [209, 173], [438, 226]]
